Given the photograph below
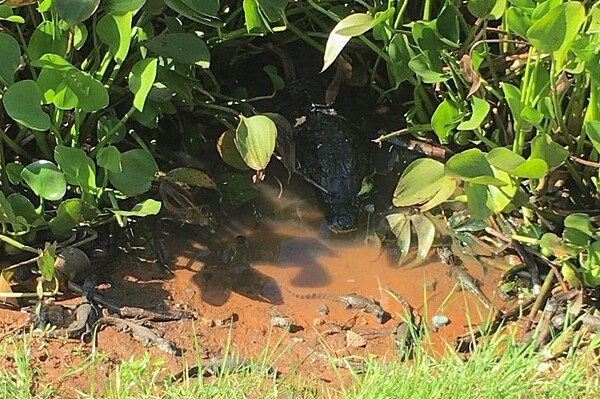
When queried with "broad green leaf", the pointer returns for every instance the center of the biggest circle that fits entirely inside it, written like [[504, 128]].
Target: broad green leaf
[[110, 125], [481, 8], [578, 229], [45, 261], [351, 26], [80, 35], [6, 14], [186, 48], [500, 197], [47, 38], [469, 164], [532, 168], [109, 158], [228, 151], [419, 65], [543, 147], [477, 199], [191, 177], [255, 139], [400, 54], [123, 6], [273, 9], [7, 214], [141, 80], [590, 264], [13, 171], [11, 59], [52, 83], [446, 190], [480, 108], [138, 170], [78, 168], [254, 21], [75, 11], [22, 206], [46, 181], [592, 130], [115, 31], [91, 94], [70, 214], [425, 230], [208, 7], [512, 94], [22, 102], [504, 159], [427, 39], [448, 24], [420, 182], [558, 28], [518, 21], [141, 209], [444, 120], [202, 11]]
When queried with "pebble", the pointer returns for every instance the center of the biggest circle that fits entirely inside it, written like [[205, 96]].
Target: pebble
[[440, 320]]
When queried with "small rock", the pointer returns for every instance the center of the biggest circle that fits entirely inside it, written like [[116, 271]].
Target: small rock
[[323, 309], [206, 322], [354, 340], [440, 320], [317, 321], [282, 322]]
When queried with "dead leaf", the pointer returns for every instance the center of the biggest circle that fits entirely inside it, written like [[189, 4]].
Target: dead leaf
[[5, 287], [354, 340], [466, 67]]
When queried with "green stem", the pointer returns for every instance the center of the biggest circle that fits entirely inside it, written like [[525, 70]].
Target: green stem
[[112, 131]]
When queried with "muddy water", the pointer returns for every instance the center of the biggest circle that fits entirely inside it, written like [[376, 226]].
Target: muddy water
[[287, 253]]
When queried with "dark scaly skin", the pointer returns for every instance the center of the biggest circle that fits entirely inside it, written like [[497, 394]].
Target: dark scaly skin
[[461, 274], [141, 333], [331, 154], [229, 365], [85, 316], [350, 301]]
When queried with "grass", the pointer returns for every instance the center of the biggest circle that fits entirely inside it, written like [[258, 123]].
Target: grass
[[498, 368]]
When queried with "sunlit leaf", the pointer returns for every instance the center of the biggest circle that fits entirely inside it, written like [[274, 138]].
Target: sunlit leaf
[[420, 182], [75, 11], [78, 168], [11, 59], [141, 79], [351, 26], [255, 139], [138, 170], [70, 214], [480, 108], [444, 120], [45, 262], [109, 158], [22, 102], [400, 226], [186, 48], [578, 229], [425, 231], [228, 151], [192, 177], [115, 31], [46, 181], [590, 264], [145, 208]]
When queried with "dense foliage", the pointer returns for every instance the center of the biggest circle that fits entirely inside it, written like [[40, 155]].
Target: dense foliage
[[91, 89]]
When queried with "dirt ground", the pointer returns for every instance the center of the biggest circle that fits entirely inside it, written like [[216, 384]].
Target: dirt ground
[[232, 292]]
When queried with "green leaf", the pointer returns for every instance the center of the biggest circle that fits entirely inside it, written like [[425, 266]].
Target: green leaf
[[481, 8], [592, 130], [448, 23], [273, 9], [532, 168], [255, 139], [11, 59], [254, 21], [477, 200], [141, 80], [400, 54], [202, 11], [46, 181], [115, 32], [558, 28], [6, 14], [469, 165], [141, 209], [590, 264], [208, 7], [481, 108], [13, 170], [419, 65], [424, 180], [109, 158], [228, 151], [47, 38], [123, 6], [504, 159], [351, 26], [75, 11], [578, 229], [45, 262], [22, 102], [498, 198], [518, 21], [138, 170], [543, 147], [77, 167], [444, 120], [70, 214], [22, 206], [186, 48]]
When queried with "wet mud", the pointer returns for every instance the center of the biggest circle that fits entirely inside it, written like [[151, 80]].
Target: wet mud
[[235, 289]]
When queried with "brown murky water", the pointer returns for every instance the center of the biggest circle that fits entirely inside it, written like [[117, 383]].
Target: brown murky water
[[285, 251]]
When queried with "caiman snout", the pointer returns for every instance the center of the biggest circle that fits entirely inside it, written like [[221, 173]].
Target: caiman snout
[[342, 223]]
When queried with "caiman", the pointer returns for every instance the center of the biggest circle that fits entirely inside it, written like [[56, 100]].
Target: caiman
[[332, 156]]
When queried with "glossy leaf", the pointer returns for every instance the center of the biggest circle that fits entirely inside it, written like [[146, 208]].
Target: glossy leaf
[[77, 167], [351, 26], [518, 21], [421, 182], [480, 108], [141, 79], [419, 65], [558, 28], [255, 139], [123, 6], [22, 102], [543, 147], [498, 198], [578, 229], [11, 59], [115, 31], [444, 120], [22, 206], [46, 181], [469, 164], [185, 48], [70, 214], [254, 21], [47, 38], [228, 151], [137, 172], [145, 208], [109, 158], [75, 11]]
